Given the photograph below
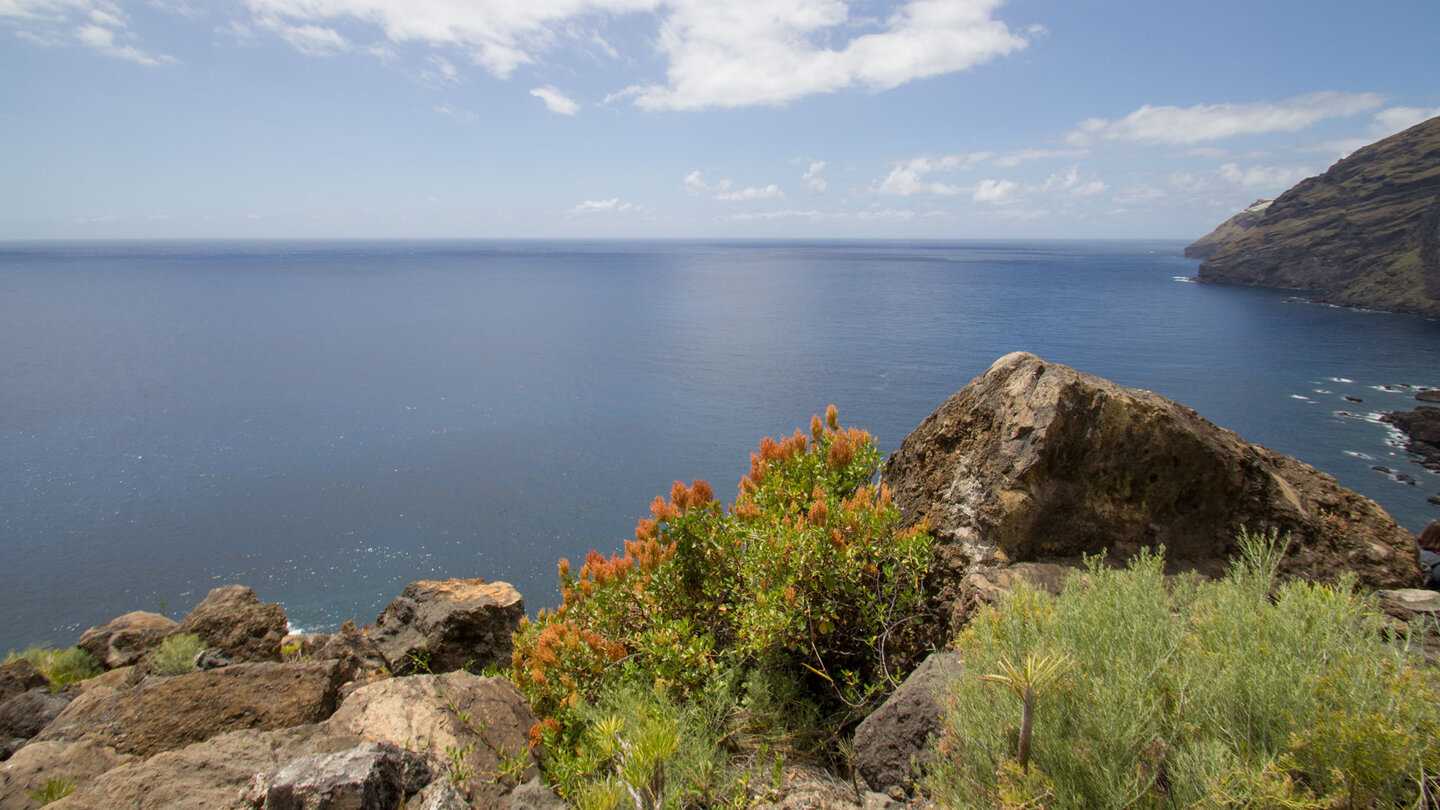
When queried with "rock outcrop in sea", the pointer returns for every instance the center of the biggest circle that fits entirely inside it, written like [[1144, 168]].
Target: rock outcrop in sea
[[1366, 233]]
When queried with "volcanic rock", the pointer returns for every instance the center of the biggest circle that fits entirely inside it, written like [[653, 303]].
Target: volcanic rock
[[1036, 462], [163, 714], [232, 619], [372, 776], [1422, 427], [121, 641], [1366, 233], [442, 626], [19, 676], [891, 744], [25, 714], [77, 762]]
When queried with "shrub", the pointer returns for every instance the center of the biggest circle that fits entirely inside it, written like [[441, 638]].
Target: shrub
[[1193, 696], [176, 654], [54, 789], [61, 666], [807, 583]]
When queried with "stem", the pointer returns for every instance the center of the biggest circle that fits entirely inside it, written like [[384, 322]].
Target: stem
[[1027, 721]]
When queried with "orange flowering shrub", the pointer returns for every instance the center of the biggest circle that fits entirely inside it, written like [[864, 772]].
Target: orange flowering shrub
[[808, 571]]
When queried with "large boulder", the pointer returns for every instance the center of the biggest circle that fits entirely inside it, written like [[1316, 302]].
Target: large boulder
[[233, 620], [25, 714], [122, 641], [372, 776], [892, 743], [476, 730], [1034, 461], [349, 644], [76, 763], [163, 714], [445, 625], [212, 775]]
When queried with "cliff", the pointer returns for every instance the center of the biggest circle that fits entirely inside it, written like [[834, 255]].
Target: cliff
[[1366, 233]]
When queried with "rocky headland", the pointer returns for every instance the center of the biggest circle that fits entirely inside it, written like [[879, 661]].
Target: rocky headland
[[1366, 233], [1021, 473]]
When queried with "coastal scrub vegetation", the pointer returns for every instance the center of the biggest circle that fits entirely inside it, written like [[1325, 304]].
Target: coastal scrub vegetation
[[176, 654], [1148, 693], [721, 637], [60, 667]]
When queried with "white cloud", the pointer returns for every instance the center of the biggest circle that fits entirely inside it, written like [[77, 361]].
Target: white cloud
[[768, 52], [612, 205], [1071, 185], [696, 186], [457, 112], [432, 199], [96, 24], [994, 191], [158, 218], [1207, 122], [1394, 119], [906, 180], [812, 178], [1275, 178], [556, 101], [311, 40], [104, 40]]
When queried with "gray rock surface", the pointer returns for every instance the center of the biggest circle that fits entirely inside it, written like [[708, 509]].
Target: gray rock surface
[[123, 640], [372, 776], [19, 676], [892, 742], [25, 714], [448, 625], [1408, 603], [534, 795], [441, 794], [1037, 462], [349, 644], [233, 620]]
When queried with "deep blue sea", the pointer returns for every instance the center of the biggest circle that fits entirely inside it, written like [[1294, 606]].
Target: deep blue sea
[[328, 421]]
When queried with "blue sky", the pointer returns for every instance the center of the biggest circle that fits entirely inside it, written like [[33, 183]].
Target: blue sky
[[688, 118]]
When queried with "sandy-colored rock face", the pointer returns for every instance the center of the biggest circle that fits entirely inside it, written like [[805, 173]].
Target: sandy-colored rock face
[[233, 620], [450, 624], [1036, 461], [121, 641]]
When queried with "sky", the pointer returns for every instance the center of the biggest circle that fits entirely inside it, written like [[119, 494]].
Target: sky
[[795, 119]]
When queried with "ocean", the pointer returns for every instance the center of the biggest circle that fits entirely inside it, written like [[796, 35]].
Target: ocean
[[327, 421]]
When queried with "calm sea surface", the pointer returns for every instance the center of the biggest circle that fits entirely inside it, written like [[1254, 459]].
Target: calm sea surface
[[327, 421]]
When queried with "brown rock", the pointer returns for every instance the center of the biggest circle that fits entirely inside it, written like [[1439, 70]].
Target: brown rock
[[212, 775], [449, 625], [25, 714], [1408, 603], [19, 676], [455, 711], [1429, 539], [78, 762], [121, 641], [892, 744], [349, 644], [163, 714], [233, 620], [1036, 462]]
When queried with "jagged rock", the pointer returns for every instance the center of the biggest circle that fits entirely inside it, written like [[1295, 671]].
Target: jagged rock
[[449, 624], [1429, 538], [163, 714], [1366, 232], [1036, 462], [1422, 429], [1428, 395], [25, 714], [442, 794], [122, 641], [212, 775], [232, 619], [28, 769], [1408, 603], [372, 776], [892, 742], [447, 714], [19, 676], [989, 585], [349, 644]]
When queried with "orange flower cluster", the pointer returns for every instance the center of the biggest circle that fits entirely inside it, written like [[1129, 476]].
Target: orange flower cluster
[[538, 731], [773, 451], [843, 445], [682, 500], [563, 640]]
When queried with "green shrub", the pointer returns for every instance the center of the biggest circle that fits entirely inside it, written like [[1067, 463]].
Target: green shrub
[[1193, 696], [61, 666], [807, 585], [176, 654]]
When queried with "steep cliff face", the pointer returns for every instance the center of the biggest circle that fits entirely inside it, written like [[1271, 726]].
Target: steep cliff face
[[1366, 233]]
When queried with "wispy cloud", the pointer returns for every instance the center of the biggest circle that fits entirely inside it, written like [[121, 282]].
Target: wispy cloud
[[725, 191], [100, 25], [1208, 122], [612, 205], [457, 112], [555, 101], [812, 178]]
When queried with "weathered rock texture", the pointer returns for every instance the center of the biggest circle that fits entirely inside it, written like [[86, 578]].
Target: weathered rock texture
[[372, 776], [1035, 461], [121, 641], [1366, 233], [163, 714], [25, 714], [232, 619], [32, 765], [19, 676], [449, 624], [893, 740], [1422, 427]]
